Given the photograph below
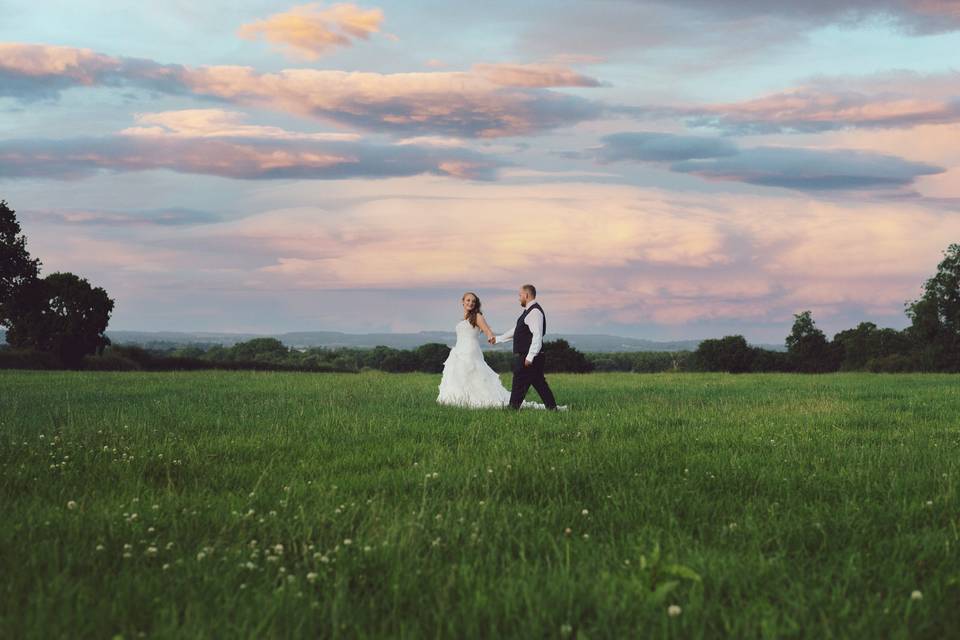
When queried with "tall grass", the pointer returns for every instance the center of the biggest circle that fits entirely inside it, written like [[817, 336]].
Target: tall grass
[[252, 504]]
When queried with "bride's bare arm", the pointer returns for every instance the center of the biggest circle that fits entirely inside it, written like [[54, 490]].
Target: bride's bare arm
[[482, 323]]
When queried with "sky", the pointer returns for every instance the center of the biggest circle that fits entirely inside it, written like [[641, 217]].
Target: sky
[[665, 170]]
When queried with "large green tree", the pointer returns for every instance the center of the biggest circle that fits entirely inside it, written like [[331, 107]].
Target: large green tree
[[61, 314], [17, 268]]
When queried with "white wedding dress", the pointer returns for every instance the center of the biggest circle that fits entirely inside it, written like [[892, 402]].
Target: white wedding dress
[[467, 380]]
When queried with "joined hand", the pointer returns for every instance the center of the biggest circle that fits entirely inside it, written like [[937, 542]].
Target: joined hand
[[492, 340]]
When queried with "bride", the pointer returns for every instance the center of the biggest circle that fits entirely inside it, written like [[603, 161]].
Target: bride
[[467, 380]]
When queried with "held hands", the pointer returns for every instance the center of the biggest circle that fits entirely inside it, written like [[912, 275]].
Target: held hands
[[492, 339]]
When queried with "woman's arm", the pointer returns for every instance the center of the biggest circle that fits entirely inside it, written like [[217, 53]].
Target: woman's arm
[[482, 323]]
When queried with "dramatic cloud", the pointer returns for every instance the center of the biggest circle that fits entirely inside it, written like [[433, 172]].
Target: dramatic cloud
[[888, 100], [662, 147], [215, 143], [789, 167], [658, 258], [311, 30], [492, 101], [809, 169]]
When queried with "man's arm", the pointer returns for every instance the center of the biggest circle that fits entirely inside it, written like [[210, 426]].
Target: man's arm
[[534, 320], [506, 337]]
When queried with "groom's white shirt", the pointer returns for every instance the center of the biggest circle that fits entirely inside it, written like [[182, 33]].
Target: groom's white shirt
[[534, 320]]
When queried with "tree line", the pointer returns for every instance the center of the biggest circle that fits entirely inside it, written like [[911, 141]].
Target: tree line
[[60, 320], [930, 343]]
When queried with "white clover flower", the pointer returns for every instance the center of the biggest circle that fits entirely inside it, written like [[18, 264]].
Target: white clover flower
[[71, 505], [584, 512], [916, 595], [674, 610], [127, 546], [311, 577], [586, 536], [278, 549], [347, 542], [127, 554], [436, 475], [166, 566], [99, 547], [201, 555], [250, 565], [151, 551], [324, 559]]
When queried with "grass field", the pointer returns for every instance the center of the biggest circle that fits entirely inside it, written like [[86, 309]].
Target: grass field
[[240, 504]]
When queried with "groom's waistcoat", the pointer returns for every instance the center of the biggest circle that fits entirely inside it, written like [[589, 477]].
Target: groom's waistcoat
[[522, 336]]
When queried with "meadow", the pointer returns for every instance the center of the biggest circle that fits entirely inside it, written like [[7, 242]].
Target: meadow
[[262, 505]]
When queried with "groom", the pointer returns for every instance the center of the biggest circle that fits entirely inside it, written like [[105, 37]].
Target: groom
[[527, 339]]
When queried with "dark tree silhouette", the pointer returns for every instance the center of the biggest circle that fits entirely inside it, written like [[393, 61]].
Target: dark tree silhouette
[[935, 316], [17, 268], [808, 347], [61, 314]]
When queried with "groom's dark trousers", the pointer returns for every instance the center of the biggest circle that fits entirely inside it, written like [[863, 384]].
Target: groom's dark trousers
[[526, 377]]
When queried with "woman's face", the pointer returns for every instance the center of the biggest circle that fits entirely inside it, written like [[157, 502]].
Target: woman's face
[[469, 302]]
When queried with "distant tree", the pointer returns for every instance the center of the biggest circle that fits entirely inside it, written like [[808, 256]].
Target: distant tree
[[400, 361], [560, 356], [259, 349], [858, 346], [431, 357], [935, 316], [17, 268], [61, 314], [730, 353], [808, 346]]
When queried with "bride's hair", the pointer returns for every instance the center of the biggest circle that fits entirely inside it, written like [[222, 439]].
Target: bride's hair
[[472, 316]]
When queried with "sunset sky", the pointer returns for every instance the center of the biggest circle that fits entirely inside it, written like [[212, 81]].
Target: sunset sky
[[664, 170]]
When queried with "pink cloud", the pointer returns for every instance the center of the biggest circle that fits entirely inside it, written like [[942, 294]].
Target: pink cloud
[[216, 142], [310, 31], [600, 253], [533, 75], [495, 101], [887, 100]]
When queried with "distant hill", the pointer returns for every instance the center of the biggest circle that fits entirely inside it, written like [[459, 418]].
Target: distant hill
[[331, 339]]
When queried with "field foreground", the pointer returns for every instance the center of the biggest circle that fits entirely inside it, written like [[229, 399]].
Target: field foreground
[[242, 504]]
